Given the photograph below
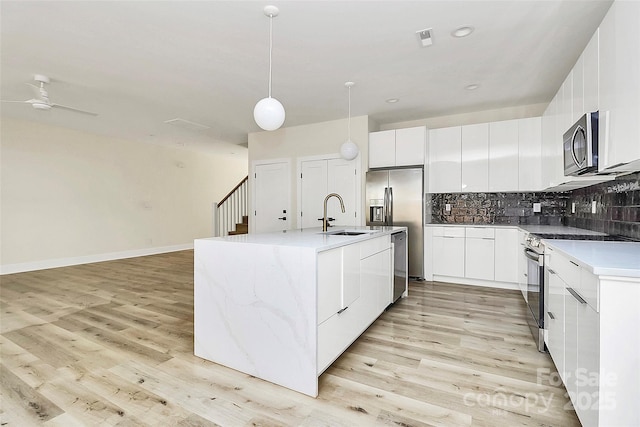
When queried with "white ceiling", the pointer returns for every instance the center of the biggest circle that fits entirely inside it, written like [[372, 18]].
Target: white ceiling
[[140, 63]]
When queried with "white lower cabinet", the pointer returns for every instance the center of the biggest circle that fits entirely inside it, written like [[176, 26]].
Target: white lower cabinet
[[522, 264], [554, 319], [354, 288], [574, 336], [507, 251], [448, 251], [479, 257]]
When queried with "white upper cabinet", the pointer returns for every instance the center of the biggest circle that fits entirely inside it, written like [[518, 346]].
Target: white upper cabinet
[[577, 90], [619, 88], [410, 146], [503, 156], [549, 165], [382, 148], [590, 74], [445, 149], [400, 147], [475, 158], [530, 154]]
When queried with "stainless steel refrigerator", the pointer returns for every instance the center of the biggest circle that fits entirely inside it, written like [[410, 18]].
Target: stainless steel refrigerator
[[395, 197]]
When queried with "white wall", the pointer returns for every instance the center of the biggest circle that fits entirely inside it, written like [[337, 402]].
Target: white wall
[[70, 197], [310, 140], [485, 116]]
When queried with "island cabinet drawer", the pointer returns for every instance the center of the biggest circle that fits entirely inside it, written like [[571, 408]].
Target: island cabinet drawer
[[373, 246], [337, 333], [480, 232]]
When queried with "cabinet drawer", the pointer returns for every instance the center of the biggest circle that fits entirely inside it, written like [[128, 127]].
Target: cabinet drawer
[[589, 289], [453, 231], [437, 231], [567, 270], [373, 246], [480, 232]]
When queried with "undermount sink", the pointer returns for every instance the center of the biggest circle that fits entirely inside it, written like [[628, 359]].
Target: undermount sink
[[347, 233]]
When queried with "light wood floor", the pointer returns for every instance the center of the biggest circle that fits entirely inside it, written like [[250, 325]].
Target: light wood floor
[[112, 344]]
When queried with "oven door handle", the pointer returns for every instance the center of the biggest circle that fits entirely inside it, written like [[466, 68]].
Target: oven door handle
[[532, 255]]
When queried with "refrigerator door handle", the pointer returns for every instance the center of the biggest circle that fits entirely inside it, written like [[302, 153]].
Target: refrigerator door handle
[[385, 205], [390, 219]]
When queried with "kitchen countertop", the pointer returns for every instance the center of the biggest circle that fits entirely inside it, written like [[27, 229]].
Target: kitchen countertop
[[533, 228], [311, 237], [601, 258]]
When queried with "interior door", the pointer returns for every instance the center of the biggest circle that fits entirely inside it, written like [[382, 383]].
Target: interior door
[[341, 179], [272, 197], [313, 190]]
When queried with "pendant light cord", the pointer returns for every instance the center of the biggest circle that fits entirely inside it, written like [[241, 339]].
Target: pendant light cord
[[349, 122], [270, 49]]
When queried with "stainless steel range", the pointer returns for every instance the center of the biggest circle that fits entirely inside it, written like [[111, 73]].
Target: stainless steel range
[[534, 252]]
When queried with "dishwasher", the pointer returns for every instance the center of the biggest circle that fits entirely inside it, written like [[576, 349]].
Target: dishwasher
[[400, 264]]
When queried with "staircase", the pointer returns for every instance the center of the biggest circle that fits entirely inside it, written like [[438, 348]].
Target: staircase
[[241, 227], [230, 215]]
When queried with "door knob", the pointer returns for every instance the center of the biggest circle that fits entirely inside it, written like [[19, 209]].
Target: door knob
[[284, 218]]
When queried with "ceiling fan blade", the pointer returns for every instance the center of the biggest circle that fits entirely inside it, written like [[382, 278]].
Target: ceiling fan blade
[[74, 109], [21, 102]]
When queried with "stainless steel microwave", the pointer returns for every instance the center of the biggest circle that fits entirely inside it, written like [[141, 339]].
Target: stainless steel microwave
[[581, 146]]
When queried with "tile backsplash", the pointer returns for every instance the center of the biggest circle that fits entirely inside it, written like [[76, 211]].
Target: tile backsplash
[[495, 208], [617, 207]]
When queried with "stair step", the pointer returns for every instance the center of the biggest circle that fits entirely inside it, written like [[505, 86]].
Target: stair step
[[245, 219], [242, 228]]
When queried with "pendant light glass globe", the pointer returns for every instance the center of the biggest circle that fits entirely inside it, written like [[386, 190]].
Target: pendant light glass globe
[[349, 150], [269, 112]]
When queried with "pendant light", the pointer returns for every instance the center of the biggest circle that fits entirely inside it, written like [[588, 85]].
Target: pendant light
[[349, 150], [269, 112]]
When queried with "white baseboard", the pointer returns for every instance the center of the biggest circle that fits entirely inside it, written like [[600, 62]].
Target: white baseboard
[[87, 259]]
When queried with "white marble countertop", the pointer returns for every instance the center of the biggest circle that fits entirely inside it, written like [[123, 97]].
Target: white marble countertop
[[601, 258], [310, 237]]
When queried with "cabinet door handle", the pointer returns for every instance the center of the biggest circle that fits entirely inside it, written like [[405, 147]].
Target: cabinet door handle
[[576, 296], [283, 218], [551, 271], [551, 316], [340, 311], [574, 263]]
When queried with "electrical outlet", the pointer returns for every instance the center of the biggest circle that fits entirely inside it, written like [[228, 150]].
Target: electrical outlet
[[537, 207], [594, 207], [447, 207], [573, 207]]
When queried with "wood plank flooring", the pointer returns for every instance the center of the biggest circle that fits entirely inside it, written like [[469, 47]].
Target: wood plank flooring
[[112, 344]]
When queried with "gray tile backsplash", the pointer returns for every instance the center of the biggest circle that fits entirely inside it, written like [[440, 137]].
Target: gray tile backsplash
[[495, 208], [617, 207]]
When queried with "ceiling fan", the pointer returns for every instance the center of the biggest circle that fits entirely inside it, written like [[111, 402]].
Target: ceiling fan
[[41, 100]]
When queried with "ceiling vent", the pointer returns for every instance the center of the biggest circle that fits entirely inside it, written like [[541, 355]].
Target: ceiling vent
[[186, 124], [425, 37]]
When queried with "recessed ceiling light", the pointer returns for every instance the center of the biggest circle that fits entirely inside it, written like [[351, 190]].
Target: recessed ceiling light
[[472, 86], [392, 100], [462, 31]]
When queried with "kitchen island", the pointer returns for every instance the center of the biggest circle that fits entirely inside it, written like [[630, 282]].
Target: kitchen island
[[283, 306]]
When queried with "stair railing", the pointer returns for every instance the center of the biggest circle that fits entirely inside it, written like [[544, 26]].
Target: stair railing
[[230, 210]]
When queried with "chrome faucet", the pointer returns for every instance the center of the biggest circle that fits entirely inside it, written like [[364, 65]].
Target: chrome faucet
[[325, 223]]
